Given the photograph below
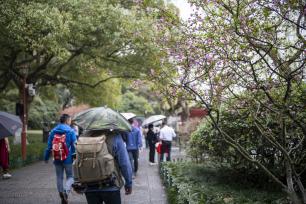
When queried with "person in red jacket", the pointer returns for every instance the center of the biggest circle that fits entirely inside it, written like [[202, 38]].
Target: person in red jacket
[[4, 157]]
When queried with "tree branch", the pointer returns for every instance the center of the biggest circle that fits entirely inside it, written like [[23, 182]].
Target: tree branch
[[60, 67], [66, 81]]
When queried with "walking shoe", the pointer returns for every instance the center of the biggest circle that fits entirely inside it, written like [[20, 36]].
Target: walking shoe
[[64, 197], [6, 176]]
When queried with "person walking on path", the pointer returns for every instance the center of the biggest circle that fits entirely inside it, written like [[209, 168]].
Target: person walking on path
[[152, 140], [166, 135], [133, 144], [109, 192], [4, 157], [61, 143]]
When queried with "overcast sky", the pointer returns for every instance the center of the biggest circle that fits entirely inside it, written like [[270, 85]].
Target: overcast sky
[[184, 7]]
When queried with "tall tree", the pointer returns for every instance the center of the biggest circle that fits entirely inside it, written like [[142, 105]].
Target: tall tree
[[253, 47], [82, 43]]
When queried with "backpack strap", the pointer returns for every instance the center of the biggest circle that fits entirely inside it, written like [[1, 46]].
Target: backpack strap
[[81, 160], [109, 142], [94, 160]]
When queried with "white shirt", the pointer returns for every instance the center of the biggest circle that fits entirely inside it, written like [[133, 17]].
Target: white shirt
[[167, 133]]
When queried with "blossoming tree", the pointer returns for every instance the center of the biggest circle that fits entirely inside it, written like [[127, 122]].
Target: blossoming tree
[[252, 53]]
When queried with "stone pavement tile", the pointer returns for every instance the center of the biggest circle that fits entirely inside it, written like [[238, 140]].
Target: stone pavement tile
[[35, 184], [147, 187]]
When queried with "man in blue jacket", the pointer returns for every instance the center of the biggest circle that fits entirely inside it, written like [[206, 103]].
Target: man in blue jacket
[[110, 194], [66, 159], [133, 144]]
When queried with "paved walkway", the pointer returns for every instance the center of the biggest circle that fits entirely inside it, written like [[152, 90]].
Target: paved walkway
[[35, 184]]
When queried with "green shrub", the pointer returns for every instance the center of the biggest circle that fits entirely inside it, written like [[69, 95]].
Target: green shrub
[[237, 119], [34, 151], [189, 183]]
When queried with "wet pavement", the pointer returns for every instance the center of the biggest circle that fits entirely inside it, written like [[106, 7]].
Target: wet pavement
[[36, 184]]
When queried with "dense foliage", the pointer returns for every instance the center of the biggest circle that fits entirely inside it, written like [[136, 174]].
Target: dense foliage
[[135, 104], [84, 46], [238, 119], [81, 44], [204, 184]]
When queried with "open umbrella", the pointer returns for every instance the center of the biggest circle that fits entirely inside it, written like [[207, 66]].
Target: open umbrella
[[152, 119], [128, 115], [101, 118], [9, 124]]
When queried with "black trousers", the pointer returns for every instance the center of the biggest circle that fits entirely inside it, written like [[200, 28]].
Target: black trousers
[[108, 197], [133, 155], [152, 153], [165, 148]]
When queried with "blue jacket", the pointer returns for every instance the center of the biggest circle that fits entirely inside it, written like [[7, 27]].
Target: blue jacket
[[70, 141], [134, 140], [121, 156]]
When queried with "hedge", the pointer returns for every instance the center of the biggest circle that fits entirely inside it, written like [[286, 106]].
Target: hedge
[[34, 151], [190, 183]]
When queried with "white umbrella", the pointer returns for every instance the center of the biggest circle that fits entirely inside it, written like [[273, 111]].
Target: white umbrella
[[128, 115], [153, 119]]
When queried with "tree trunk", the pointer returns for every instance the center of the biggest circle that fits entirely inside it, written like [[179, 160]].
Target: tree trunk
[[294, 197], [301, 188], [185, 110]]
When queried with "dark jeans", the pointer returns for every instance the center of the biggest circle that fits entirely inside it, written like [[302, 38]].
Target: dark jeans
[[147, 143], [165, 148], [109, 197], [133, 155], [152, 153]]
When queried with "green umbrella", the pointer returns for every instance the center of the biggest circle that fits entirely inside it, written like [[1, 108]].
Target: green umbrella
[[102, 118]]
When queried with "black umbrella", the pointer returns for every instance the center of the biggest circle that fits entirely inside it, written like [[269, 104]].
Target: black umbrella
[[9, 124], [101, 118]]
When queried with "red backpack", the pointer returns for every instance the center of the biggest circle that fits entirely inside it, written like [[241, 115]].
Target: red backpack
[[59, 147]]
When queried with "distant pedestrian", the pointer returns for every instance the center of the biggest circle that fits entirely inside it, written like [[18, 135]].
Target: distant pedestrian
[[166, 135], [61, 143], [133, 145], [4, 157], [152, 140]]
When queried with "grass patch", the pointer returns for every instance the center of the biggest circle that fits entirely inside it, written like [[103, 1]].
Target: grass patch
[[196, 183], [34, 150]]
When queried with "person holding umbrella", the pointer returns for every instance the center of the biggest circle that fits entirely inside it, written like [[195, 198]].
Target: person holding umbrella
[[112, 125], [152, 140], [4, 157], [9, 124]]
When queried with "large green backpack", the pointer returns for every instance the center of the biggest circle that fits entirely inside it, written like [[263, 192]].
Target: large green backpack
[[94, 161]]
